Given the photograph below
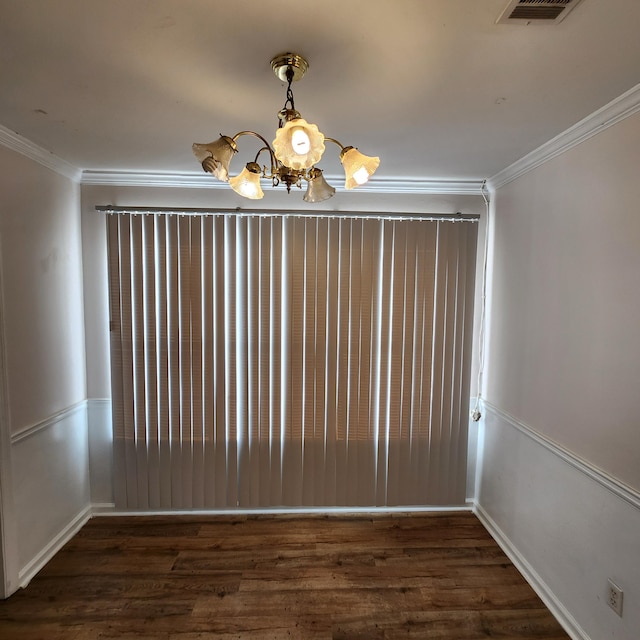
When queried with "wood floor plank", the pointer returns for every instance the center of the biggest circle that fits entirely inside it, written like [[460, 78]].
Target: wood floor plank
[[314, 578]]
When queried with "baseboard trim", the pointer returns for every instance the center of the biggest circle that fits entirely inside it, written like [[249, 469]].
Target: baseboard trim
[[615, 486], [102, 508], [28, 572], [547, 596], [107, 509]]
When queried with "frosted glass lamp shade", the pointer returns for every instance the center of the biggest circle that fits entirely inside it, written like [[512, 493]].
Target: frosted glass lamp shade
[[247, 183], [319, 189], [215, 157], [358, 168], [298, 144]]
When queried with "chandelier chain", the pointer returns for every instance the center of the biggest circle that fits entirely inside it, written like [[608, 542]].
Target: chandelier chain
[[289, 100]]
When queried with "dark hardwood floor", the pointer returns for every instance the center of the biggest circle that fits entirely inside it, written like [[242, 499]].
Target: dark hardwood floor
[[186, 578]]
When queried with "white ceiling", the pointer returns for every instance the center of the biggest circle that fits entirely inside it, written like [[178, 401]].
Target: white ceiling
[[434, 87]]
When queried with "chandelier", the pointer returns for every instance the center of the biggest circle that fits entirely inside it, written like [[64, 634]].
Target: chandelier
[[293, 154]]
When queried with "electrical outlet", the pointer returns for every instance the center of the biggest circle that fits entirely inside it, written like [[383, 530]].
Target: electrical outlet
[[614, 597]]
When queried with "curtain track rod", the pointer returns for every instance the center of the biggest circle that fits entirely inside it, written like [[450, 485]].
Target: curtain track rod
[[369, 215]]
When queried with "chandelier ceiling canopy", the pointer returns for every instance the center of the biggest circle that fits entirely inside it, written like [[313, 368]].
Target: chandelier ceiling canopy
[[293, 154]]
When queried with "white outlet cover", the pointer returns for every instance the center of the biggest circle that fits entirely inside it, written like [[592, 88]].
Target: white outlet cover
[[614, 597]]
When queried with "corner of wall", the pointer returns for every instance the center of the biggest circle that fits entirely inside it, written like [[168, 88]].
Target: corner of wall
[[51, 486], [565, 524]]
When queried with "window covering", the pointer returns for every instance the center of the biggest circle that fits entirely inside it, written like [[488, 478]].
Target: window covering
[[264, 361]]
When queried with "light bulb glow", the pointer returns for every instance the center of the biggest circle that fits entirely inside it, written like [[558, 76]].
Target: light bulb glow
[[298, 144], [248, 190], [358, 168], [300, 141], [361, 175]]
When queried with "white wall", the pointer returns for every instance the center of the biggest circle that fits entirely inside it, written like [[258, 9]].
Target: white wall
[[560, 477], [44, 442], [566, 310]]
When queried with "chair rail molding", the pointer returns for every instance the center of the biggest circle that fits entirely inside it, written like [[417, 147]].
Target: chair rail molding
[[615, 486]]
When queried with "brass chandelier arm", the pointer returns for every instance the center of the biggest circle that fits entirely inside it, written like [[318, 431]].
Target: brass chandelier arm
[[259, 152], [279, 172], [335, 142], [267, 147]]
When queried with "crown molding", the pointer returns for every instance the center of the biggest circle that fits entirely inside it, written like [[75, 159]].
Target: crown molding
[[206, 181], [622, 107], [16, 142]]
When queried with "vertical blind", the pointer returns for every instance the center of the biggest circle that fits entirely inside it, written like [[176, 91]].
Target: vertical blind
[[278, 360]]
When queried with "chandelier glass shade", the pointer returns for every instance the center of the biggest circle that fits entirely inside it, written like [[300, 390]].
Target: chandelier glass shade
[[298, 146], [319, 189], [247, 182], [216, 156], [358, 168]]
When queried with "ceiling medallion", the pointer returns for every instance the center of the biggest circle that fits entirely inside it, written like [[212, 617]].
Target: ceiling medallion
[[293, 154]]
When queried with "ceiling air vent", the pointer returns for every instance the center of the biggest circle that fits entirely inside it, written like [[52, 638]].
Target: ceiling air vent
[[536, 11]]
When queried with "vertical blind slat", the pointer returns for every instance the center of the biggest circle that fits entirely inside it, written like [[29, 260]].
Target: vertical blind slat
[[118, 373], [150, 342], [219, 391], [196, 330], [253, 360], [263, 286], [173, 351], [331, 363], [208, 362], [162, 359], [128, 363]]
